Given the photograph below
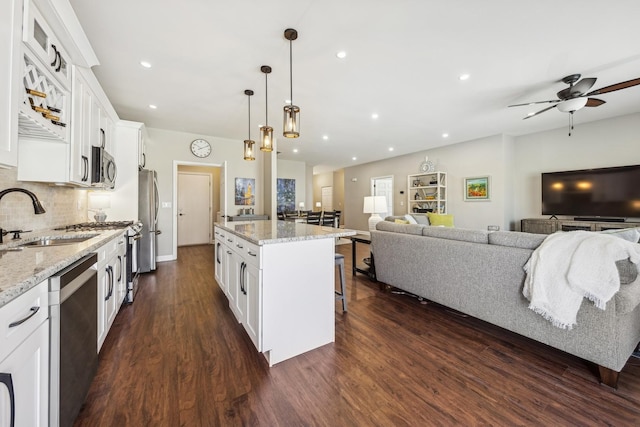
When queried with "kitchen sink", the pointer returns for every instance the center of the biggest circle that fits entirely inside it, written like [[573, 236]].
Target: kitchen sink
[[56, 241]]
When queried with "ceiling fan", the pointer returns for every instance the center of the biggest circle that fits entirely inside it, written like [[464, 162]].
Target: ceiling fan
[[575, 97]]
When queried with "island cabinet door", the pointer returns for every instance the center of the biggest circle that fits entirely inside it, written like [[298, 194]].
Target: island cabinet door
[[252, 285], [237, 302], [221, 265]]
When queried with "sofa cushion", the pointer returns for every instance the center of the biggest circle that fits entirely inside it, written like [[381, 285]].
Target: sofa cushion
[[627, 270], [440, 219], [461, 234], [400, 228], [516, 239]]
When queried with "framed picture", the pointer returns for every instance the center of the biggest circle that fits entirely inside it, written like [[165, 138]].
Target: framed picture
[[477, 189], [245, 192], [286, 194]]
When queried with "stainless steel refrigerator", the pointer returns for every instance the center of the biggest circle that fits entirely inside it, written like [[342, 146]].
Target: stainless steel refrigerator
[[148, 205]]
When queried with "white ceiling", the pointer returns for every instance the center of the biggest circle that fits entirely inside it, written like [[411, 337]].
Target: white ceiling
[[404, 59]]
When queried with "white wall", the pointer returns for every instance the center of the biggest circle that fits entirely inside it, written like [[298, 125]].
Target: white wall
[[163, 147], [611, 142]]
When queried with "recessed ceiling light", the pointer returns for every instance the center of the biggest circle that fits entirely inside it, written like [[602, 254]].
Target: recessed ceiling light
[[145, 64], [354, 158], [374, 116], [295, 150], [530, 114], [325, 137], [153, 107], [445, 135], [342, 54], [464, 76], [390, 148]]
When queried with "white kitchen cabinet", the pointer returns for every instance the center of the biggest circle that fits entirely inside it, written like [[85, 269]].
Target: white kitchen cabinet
[[80, 162], [220, 263], [40, 38], [10, 79], [24, 359], [107, 291], [121, 270], [282, 293]]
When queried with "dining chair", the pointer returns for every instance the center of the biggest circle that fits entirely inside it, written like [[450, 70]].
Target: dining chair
[[329, 219], [313, 218]]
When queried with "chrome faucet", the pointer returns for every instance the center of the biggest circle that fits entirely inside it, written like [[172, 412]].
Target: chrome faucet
[[37, 206]]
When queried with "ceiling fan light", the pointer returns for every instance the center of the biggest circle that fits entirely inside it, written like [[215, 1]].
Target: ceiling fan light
[[572, 104]]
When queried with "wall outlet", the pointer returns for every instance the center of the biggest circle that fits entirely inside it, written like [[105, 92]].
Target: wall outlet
[[493, 228]]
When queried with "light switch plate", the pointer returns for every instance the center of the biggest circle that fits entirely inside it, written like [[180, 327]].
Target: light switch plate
[[166, 204]]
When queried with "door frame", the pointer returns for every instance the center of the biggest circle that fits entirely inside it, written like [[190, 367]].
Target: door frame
[[210, 206], [174, 206]]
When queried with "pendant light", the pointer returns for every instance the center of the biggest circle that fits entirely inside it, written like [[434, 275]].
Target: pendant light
[[248, 143], [266, 131], [291, 124]]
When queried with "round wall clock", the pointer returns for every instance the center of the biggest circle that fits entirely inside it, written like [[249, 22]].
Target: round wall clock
[[200, 148], [427, 165]]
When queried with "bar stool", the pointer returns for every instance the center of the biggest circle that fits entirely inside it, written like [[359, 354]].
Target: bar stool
[[343, 283]]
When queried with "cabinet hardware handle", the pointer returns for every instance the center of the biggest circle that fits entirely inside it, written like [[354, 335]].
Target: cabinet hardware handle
[[85, 165], [251, 253], [239, 245], [8, 382], [144, 160], [109, 272], [120, 262], [59, 62], [218, 252], [33, 310], [55, 55], [103, 138], [229, 252]]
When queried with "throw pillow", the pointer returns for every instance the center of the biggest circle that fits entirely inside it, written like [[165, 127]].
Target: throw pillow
[[444, 220], [402, 221], [420, 219], [630, 234], [410, 219]]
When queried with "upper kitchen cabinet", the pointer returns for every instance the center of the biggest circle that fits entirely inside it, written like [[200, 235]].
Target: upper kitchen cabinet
[[10, 76]]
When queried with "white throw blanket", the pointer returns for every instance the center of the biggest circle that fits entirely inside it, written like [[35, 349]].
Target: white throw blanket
[[568, 266]]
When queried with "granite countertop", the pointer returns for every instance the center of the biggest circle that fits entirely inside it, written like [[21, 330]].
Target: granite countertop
[[270, 232], [21, 270]]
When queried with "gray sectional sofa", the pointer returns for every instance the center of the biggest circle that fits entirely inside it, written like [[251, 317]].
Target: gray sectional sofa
[[481, 274]]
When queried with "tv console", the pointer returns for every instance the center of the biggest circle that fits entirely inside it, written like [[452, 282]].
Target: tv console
[[597, 219], [548, 226]]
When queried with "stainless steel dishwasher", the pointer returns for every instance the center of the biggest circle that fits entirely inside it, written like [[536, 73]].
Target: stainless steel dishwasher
[[73, 309]]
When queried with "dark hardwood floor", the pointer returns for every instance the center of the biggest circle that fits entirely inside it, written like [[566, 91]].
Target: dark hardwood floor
[[177, 357]]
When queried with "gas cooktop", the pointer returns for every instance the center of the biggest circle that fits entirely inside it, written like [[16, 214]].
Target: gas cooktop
[[104, 225]]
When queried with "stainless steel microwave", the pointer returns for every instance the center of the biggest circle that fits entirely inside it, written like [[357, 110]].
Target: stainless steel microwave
[[103, 168]]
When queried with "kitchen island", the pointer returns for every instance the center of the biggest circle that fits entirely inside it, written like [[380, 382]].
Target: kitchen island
[[279, 279]]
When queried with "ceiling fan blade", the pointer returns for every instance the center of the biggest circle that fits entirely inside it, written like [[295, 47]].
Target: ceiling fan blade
[[594, 102], [539, 112], [617, 86], [536, 102]]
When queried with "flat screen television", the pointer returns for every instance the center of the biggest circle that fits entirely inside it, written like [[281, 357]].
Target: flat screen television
[[607, 192]]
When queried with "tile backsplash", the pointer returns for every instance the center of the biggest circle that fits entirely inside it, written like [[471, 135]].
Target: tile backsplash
[[63, 205]]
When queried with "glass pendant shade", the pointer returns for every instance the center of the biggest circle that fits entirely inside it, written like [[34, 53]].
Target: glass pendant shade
[[291, 124], [248, 143], [248, 149], [266, 138]]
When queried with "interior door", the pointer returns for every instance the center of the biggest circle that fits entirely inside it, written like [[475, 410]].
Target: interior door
[[383, 186], [194, 208], [327, 198]]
